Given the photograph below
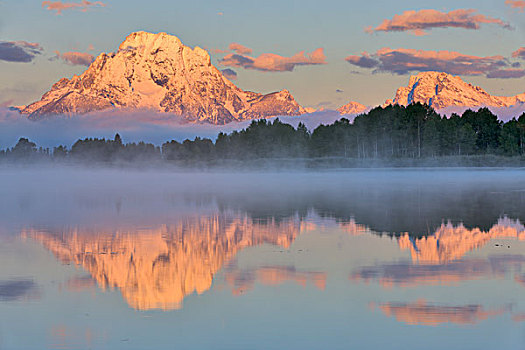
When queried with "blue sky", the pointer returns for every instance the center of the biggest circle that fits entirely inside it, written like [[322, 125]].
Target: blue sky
[[279, 27]]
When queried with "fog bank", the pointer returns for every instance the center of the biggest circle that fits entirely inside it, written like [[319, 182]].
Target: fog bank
[[396, 201], [137, 126]]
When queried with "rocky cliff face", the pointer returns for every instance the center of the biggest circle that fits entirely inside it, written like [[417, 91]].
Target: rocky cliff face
[[440, 90], [157, 72]]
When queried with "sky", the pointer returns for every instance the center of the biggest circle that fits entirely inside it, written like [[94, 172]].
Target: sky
[[326, 53]]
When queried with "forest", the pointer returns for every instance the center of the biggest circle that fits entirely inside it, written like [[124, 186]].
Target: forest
[[394, 132]]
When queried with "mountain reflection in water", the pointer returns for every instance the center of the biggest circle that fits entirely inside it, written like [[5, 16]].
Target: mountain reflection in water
[[424, 313], [428, 259], [450, 242], [156, 268]]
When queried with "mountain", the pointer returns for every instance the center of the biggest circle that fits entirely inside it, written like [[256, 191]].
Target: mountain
[[440, 90], [352, 108], [157, 72]]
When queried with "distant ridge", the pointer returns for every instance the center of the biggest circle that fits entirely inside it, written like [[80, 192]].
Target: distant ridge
[[352, 108]]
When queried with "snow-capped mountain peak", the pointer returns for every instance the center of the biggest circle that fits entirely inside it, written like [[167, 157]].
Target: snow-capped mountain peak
[[158, 72], [352, 108], [440, 90]]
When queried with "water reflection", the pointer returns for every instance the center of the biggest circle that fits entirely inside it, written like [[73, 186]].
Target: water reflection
[[519, 317], [243, 280], [439, 258], [451, 242], [423, 313], [17, 289], [290, 260], [66, 337], [407, 274], [156, 268], [80, 283]]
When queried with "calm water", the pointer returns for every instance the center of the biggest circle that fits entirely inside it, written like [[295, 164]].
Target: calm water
[[390, 259]]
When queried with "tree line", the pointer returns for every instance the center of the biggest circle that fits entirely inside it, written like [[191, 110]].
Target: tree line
[[393, 132]]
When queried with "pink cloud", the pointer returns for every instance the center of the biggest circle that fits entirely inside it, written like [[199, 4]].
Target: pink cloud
[[404, 61], [76, 58], [363, 61], [60, 6], [419, 21], [240, 49], [519, 53], [235, 47], [219, 51], [517, 4], [269, 62]]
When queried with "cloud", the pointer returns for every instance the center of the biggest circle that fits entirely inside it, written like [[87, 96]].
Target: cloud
[[229, 73], [235, 47], [519, 53], [219, 51], [404, 61], [269, 62], [19, 51], [517, 4], [240, 49], [419, 21], [75, 58], [507, 73], [363, 61], [60, 6]]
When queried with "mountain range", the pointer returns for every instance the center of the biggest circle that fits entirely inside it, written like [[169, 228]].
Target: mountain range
[[156, 72]]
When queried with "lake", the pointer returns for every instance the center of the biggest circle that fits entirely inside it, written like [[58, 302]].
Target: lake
[[350, 259]]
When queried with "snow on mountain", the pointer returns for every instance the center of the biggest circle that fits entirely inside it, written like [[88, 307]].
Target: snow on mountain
[[441, 90], [352, 108], [159, 73]]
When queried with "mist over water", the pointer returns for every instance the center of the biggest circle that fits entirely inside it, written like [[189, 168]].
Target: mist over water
[[112, 258], [390, 200]]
